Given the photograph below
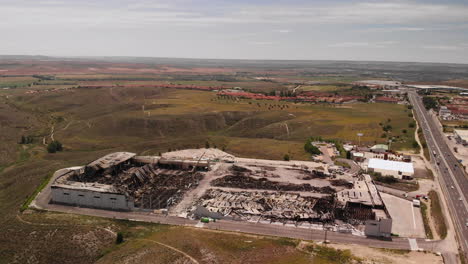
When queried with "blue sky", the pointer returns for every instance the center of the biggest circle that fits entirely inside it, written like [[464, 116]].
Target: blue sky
[[395, 30]]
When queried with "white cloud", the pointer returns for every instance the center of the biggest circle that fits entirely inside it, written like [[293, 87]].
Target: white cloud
[[446, 47], [138, 13], [379, 44], [261, 43]]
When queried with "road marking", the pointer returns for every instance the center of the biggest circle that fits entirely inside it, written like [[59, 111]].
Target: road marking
[[413, 244], [414, 220]]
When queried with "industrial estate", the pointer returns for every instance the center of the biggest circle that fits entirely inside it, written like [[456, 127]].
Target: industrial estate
[[301, 194]]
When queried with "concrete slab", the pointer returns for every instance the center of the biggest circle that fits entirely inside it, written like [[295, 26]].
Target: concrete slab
[[407, 219]]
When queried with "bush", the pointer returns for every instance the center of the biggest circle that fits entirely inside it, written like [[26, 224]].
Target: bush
[[286, 157], [26, 140], [411, 125], [54, 146], [119, 238]]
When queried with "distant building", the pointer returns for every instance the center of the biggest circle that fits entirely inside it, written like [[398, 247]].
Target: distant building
[[461, 136], [444, 112], [379, 84], [379, 148], [397, 169]]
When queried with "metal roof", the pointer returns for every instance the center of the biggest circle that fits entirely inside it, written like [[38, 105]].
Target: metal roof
[[111, 160], [391, 165], [380, 146]]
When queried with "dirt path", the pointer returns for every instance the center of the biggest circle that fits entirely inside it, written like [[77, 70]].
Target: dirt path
[[52, 133], [172, 248], [287, 128]]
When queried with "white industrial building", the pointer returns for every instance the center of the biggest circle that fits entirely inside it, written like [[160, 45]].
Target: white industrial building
[[397, 169], [461, 136]]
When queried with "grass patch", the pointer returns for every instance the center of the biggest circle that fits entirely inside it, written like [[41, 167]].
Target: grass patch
[[394, 251], [437, 214], [422, 139], [342, 164], [43, 184], [425, 216], [286, 242], [332, 255]]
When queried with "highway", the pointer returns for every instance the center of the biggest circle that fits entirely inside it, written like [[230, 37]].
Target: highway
[[453, 180]]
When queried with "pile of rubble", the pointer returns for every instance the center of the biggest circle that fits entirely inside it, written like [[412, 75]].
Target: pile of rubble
[[150, 186], [247, 182], [272, 206]]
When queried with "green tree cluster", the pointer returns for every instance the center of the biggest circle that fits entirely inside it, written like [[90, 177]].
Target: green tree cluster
[[54, 146], [429, 102], [313, 150], [26, 140]]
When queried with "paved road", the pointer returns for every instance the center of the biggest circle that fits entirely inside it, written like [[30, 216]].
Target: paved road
[[453, 180]]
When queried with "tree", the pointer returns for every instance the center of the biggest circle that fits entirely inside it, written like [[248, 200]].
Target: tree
[[207, 144], [286, 157], [308, 147], [348, 154], [54, 146], [415, 144], [411, 125], [429, 102], [119, 239], [404, 131]]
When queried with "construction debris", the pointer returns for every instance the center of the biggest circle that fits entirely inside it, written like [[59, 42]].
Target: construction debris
[[273, 206], [246, 182]]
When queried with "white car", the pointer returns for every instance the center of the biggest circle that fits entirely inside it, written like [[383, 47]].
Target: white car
[[460, 199], [452, 187]]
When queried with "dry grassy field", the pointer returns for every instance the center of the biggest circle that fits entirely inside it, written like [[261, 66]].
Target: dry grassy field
[[94, 122]]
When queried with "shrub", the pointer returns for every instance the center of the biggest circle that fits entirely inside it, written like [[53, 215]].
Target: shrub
[[286, 157], [54, 146], [119, 239]]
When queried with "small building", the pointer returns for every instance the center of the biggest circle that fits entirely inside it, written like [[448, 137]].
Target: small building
[[397, 169], [461, 136], [379, 148], [379, 227], [406, 158], [444, 112], [358, 156]]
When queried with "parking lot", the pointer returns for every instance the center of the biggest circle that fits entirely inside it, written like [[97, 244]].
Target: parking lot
[[407, 219]]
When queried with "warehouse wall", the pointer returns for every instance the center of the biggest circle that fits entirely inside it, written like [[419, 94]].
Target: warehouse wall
[[85, 198], [378, 228]]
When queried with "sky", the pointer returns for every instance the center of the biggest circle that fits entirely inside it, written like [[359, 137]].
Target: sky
[[393, 30]]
